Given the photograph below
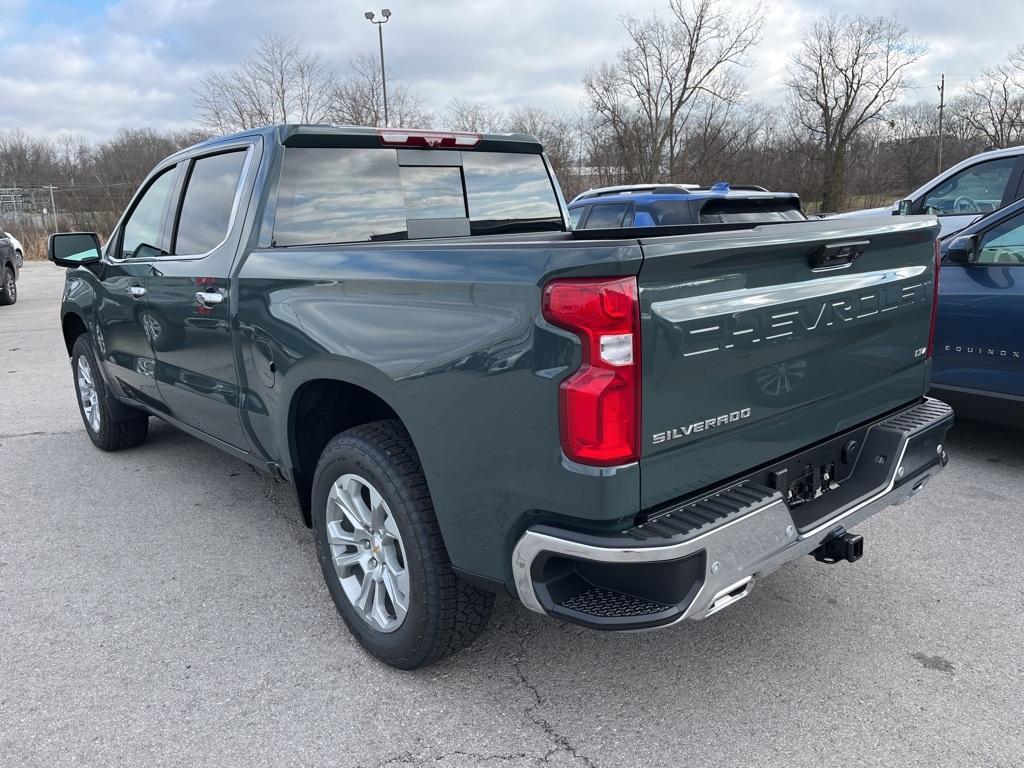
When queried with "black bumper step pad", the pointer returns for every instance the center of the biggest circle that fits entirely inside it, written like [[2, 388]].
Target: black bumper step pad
[[682, 521]]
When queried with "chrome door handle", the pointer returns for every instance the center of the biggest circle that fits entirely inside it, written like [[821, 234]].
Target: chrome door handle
[[136, 291], [208, 298]]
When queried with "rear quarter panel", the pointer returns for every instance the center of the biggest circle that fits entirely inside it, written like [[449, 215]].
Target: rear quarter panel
[[451, 337]]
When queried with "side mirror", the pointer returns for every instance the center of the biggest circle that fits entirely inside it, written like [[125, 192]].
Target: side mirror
[[905, 207], [963, 250], [72, 249]]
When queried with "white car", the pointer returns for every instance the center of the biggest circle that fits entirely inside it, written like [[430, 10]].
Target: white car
[[973, 187], [19, 251]]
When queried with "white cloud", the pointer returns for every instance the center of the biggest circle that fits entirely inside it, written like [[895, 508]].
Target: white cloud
[[135, 62]]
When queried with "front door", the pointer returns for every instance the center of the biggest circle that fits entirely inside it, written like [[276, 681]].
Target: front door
[[980, 331], [121, 328], [975, 191], [190, 296]]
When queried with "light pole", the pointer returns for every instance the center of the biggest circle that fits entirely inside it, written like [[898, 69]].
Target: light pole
[[380, 34]]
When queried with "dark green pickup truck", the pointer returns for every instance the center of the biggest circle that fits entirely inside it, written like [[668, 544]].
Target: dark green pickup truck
[[623, 428]]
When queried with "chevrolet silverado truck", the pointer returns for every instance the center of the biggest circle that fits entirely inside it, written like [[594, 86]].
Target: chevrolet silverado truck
[[623, 427]]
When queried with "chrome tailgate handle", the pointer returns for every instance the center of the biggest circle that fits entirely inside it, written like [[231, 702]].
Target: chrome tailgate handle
[[208, 298]]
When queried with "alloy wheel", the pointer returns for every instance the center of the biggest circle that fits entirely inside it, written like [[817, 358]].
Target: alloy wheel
[[87, 394], [368, 553]]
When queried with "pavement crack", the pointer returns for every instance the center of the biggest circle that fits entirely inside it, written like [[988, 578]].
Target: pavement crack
[[559, 741], [408, 758], [40, 433]]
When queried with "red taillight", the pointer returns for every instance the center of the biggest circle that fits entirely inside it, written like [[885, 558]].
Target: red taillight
[[935, 299], [402, 137], [599, 405]]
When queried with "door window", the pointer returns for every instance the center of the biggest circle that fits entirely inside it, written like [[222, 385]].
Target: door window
[[575, 214], [607, 216], [143, 231], [1004, 244], [208, 202], [974, 190]]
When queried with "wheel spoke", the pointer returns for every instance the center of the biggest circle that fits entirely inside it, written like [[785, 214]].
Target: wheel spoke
[[352, 498], [343, 500], [399, 594], [364, 602], [339, 536], [345, 560], [380, 609]]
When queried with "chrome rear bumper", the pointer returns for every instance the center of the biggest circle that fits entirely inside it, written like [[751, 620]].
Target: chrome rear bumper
[[731, 555]]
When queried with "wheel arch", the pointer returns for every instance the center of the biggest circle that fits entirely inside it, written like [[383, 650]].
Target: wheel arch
[[329, 397], [72, 326]]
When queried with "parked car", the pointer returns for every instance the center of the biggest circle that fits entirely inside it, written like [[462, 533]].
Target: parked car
[[677, 205], [469, 398], [979, 358], [10, 268], [19, 250], [973, 187]]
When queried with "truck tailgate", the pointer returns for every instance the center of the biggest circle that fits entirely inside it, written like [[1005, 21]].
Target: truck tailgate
[[760, 342]]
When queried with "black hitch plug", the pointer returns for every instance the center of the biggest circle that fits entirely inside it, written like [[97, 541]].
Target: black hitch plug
[[841, 545]]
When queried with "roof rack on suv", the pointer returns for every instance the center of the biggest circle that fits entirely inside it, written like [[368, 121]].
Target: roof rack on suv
[[636, 189]]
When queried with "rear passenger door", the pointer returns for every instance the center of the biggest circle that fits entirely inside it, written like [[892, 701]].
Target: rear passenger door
[[191, 294]]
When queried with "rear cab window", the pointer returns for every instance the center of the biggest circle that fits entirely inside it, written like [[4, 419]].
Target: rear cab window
[[343, 195]]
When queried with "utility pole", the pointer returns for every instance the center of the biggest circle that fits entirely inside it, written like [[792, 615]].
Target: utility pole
[[942, 108], [369, 15], [53, 207]]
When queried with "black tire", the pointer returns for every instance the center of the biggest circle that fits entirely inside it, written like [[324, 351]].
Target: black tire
[[9, 289], [120, 426], [445, 612]]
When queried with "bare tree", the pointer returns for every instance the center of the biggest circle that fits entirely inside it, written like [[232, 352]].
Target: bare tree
[[556, 132], [993, 103], [358, 99], [462, 115], [643, 98], [279, 83], [847, 72]]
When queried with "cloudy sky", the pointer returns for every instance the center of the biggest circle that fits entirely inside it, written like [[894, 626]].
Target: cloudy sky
[[90, 67]]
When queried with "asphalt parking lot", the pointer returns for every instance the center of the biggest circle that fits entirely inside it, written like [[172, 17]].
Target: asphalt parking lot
[[162, 606]]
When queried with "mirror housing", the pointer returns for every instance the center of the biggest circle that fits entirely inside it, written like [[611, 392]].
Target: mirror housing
[[73, 249], [963, 250], [905, 207]]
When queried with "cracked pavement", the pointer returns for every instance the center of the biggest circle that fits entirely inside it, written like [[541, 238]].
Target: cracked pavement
[[162, 607]]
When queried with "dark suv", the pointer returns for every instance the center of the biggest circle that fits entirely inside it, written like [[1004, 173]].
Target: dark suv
[[681, 204], [10, 268]]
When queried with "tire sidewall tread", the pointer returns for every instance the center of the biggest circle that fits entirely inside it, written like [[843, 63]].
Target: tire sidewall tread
[[115, 434], [445, 613]]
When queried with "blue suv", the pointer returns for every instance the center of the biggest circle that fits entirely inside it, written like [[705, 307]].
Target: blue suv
[[660, 205], [979, 334]]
